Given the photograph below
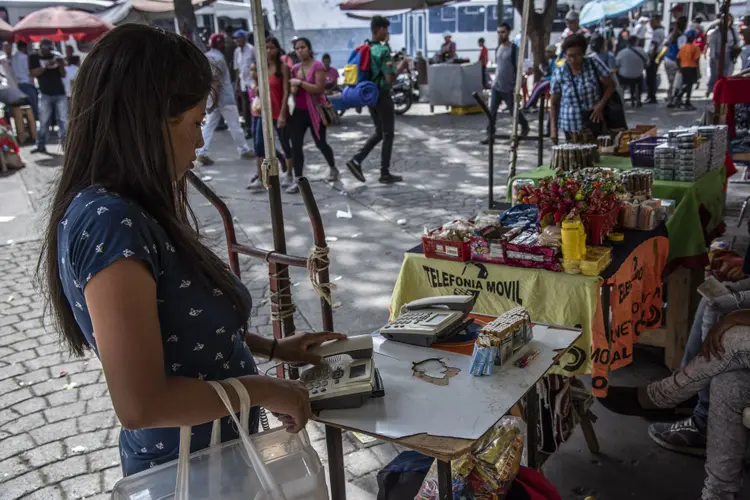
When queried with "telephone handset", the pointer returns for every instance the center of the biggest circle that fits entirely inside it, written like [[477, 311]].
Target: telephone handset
[[347, 378], [424, 321]]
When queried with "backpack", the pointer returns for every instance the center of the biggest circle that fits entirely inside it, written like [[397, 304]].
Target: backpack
[[357, 68]]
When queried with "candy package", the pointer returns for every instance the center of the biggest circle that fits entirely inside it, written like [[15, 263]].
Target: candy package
[[488, 471], [458, 230]]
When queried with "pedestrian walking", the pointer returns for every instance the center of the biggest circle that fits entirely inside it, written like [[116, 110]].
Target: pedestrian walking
[[278, 86], [503, 88], [23, 76], [332, 74], [732, 50], [223, 104], [308, 87], [72, 63], [121, 257], [48, 68], [244, 57], [6, 65], [674, 42], [382, 74], [658, 36], [600, 51], [484, 59], [580, 89], [631, 63], [688, 57]]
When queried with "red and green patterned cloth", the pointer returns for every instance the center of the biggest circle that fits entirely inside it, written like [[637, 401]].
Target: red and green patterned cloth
[[700, 204]]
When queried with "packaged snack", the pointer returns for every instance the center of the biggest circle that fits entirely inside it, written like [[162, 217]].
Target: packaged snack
[[488, 471]]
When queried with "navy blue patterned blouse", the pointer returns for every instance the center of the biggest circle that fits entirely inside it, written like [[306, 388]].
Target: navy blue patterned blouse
[[201, 332]]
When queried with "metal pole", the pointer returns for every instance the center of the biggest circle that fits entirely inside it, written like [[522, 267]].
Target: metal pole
[[280, 284], [724, 32], [527, 5]]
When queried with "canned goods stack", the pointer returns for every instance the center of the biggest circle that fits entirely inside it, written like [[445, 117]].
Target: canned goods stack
[[692, 156], [664, 162], [717, 136], [574, 156], [638, 182]]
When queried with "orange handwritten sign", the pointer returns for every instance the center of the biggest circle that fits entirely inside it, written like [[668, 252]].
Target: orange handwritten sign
[[635, 293]]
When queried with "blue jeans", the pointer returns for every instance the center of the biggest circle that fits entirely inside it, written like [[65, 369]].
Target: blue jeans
[[692, 349], [31, 93], [48, 103]]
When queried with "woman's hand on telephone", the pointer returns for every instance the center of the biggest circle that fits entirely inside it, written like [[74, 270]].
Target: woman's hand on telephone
[[295, 349], [288, 400]]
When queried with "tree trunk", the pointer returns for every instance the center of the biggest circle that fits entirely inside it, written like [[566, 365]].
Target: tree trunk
[[188, 26], [540, 25]]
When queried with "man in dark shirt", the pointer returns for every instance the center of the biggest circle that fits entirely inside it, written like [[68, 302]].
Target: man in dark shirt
[[48, 68], [382, 74]]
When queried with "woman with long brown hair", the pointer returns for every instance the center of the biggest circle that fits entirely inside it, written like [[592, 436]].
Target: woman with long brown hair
[[308, 87], [125, 272], [278, 87]]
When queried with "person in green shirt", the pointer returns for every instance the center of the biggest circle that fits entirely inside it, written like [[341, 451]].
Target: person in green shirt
[[382, 74]]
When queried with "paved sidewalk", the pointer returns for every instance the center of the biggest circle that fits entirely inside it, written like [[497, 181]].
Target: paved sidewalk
[[58, 432]]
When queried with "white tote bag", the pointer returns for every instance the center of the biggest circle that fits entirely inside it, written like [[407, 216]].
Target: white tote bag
[[270, 487], [225, 470]]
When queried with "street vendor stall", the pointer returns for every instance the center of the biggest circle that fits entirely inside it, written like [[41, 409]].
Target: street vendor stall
[[559, 298], [700, 204]]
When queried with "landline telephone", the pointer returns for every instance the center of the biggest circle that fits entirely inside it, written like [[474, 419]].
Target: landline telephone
[[424, 321], [347, 378]]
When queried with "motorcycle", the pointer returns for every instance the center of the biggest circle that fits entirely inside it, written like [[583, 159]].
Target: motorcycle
[[404, 92]]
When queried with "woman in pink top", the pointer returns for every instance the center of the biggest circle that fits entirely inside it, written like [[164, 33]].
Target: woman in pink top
[[332, 74], [308, 86]]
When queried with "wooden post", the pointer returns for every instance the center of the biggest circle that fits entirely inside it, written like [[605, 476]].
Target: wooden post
[[527, 6], [280, 284]]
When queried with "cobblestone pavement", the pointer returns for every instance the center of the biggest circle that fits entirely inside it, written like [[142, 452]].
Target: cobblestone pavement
[[58, 432]]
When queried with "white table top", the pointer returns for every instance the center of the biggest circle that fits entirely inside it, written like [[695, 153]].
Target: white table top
[[464, 409]]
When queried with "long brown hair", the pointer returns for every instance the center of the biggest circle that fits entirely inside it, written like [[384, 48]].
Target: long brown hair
[[134, 79]]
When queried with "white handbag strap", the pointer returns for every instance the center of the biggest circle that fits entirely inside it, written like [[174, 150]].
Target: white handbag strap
[[268, 483]]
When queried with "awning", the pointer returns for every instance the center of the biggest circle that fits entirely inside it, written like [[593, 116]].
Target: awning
[[392, 4], [598, 10], [132, 10]]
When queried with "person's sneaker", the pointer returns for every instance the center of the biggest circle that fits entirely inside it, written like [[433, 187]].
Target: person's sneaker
[[255, 184], [247, 155], [40, 149], [293, 188], [333, 174], [205, 160], [671, 106], [287, 181], [690, 107], [652, 101], [525, 131], [356, 169], [485, 141], [390, 179], [681, 437]]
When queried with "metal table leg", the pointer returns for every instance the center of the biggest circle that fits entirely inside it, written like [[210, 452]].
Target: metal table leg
[[335, 463], [445, 488], [532, 418]]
